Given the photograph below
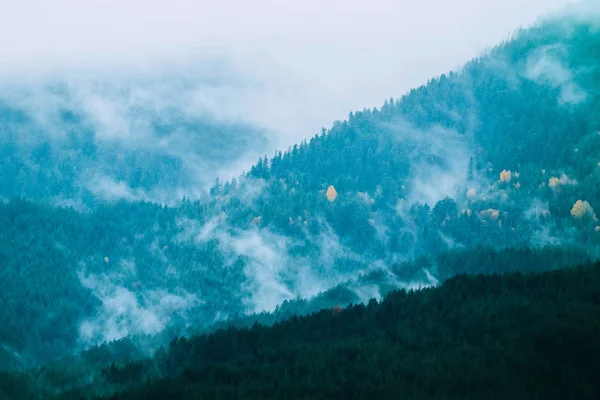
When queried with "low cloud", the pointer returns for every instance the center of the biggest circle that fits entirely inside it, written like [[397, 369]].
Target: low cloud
[[544, 66], [285, 72], [131, 137], [108, 189], [272, 271], [124, 312], [439, 160]]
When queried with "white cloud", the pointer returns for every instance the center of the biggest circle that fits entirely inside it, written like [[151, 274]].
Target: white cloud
[[287, 68], [267, 267], [318, 59], [124, 312], [446, 176], [110, 190], [272, 273], [545, 67]]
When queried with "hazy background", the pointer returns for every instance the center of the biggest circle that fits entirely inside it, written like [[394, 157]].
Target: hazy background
[[102, 101], [286, 67]]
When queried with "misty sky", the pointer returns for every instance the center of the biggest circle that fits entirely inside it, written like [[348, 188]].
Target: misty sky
[[310, 62]]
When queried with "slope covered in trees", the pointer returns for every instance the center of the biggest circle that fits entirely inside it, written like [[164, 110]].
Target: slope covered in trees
[[494, 336], [501, 154], [63, 289], [80, 140]]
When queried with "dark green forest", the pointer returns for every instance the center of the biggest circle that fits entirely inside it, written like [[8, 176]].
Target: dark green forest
[[395, 212], [507, 335]]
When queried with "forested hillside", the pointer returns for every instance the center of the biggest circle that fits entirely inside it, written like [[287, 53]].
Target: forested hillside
[[62, 300], [499, 336], [79, 140], [501, 154]]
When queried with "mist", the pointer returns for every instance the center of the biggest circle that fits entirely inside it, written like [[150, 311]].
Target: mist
[[545, 67], [286, 70], [124, 312], [151, 102]]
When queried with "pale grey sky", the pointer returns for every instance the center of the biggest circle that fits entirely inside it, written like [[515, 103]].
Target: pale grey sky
[[118, 32], [309, 62]]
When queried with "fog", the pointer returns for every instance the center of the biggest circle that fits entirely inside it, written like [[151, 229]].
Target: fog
[[152, 101], [263, 76], [545, 67], [310, 62], [124, 313]]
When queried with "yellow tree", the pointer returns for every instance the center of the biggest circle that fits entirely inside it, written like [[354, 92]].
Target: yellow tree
[[582, 208], [331, 194], [505, 176]]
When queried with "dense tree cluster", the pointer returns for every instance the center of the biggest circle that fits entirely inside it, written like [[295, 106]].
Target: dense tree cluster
[[484, 336], [363, 207], [46, 250]]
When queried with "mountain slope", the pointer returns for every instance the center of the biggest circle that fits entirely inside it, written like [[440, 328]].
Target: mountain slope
[[503, 153], [78, 141], [500, 336], [529, 107]]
